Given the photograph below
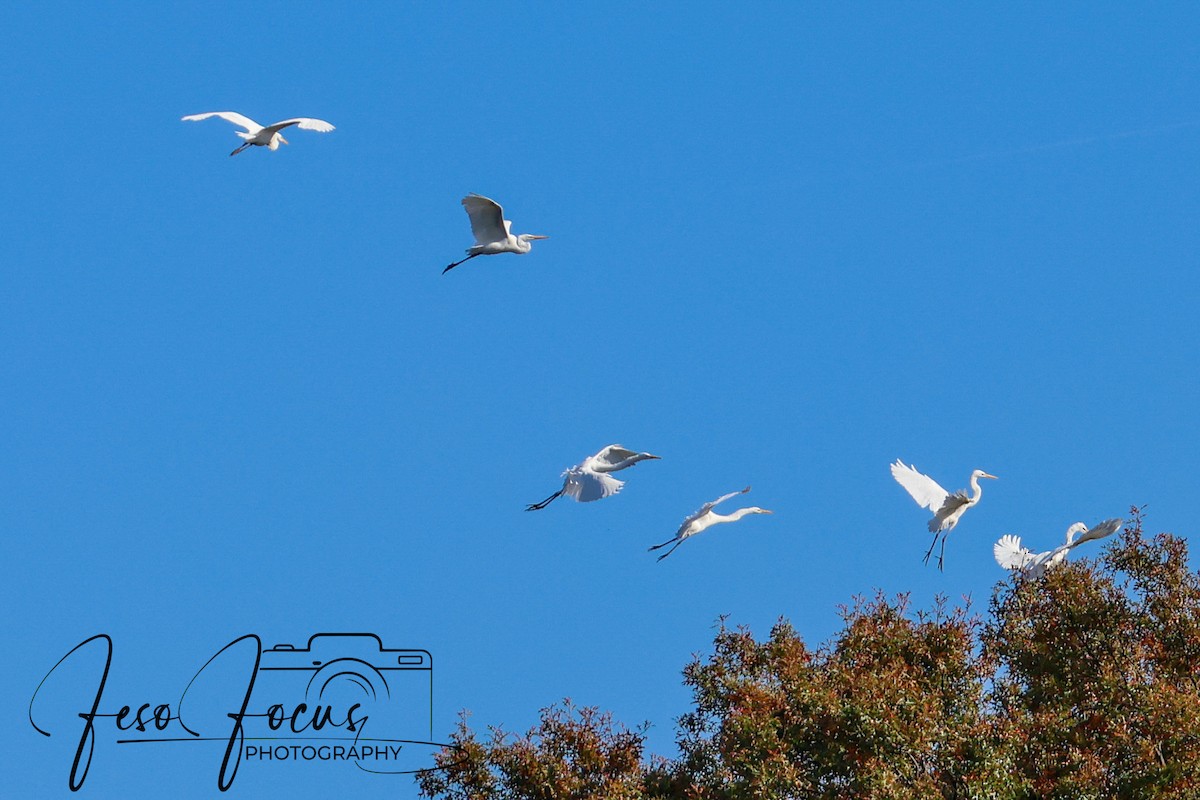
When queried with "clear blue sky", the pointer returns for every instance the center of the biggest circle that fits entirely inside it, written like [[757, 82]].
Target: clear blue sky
[[789, 244]]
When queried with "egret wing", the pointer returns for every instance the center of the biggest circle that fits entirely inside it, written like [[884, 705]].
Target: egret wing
[[613, 454], [304, 124], [229, 116], [704, 509], [1010, 554], [1052, 558], [586, 486], [487, 219], [1106, 528], [1041, 562], [952, 503], [922, 488]]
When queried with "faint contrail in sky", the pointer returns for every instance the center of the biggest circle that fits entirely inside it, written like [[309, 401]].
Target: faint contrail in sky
[[1038, 148]]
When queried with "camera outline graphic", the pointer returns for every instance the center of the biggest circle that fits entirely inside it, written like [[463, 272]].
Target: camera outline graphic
[[393, 685]]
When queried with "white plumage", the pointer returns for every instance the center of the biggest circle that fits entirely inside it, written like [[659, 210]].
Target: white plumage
[[947, 508], [1010, 554], [259, 135], [592, 479], [705, 517], [493, 233]]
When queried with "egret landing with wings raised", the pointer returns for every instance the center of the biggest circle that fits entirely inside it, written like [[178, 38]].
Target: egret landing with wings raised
[[1011, 555], [704, 518], [946, 507], [263, 136], [493, 233], [592, 479]]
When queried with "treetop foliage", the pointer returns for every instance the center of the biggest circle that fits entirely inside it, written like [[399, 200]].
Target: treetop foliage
[[1082, 683]]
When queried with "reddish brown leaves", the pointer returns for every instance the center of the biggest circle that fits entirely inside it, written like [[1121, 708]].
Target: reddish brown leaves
[[1081, 683]]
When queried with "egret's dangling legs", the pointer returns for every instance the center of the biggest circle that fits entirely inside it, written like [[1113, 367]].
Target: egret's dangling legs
[[932, 545], [664, 544], [546, 502], [456, 263]]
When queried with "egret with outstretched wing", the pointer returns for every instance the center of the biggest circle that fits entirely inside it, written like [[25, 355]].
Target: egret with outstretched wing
[[705, 517], [493, 233], [592, 479], [947, 508], [262, 136], [1010, 554]]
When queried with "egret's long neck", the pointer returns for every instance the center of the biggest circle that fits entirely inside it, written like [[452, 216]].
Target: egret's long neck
[[976, 490], [735, 516]]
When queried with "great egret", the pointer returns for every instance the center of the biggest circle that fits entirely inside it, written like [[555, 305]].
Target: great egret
[[591, 479], [1011, 555], [946, 507], [493, 233], [258, 135], [705, 517]]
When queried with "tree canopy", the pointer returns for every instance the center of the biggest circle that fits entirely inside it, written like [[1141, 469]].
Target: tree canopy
[[1082, 683]]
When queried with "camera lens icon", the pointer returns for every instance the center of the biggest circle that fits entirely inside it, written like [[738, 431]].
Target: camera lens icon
[[393, 689], [347, 679]]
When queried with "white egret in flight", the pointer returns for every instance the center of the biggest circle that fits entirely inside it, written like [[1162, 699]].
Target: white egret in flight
[[592, 479], [946, 507], [493, 233], [1011, 555], [258, 135], [704, 518]]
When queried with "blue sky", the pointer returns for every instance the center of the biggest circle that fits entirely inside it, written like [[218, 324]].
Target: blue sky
[[789, 244]]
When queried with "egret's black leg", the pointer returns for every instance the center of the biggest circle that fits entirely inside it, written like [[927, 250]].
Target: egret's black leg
[[544, 503], [932, 545], [942, 553], [672, 550], [456, 263], [240, 149]]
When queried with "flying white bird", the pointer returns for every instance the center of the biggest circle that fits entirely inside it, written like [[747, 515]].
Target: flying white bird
[[946, 507], [258, 135], [493, 233], [591, 479], [704, 518], [1011, 555]]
